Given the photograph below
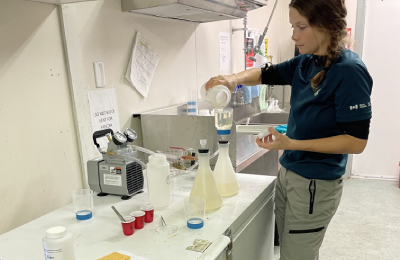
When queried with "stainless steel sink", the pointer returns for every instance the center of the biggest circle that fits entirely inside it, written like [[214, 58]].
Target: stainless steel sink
[[267, 118], [168, 127]]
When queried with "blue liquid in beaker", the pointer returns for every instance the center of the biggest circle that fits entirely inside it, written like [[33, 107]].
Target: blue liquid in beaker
[[195, 223], [83, 214]]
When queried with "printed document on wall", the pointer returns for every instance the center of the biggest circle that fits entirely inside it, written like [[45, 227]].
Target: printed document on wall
[[104, 112], [142, 65], [224, 51]]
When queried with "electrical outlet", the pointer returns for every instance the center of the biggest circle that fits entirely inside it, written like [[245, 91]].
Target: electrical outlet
[[99, 74]]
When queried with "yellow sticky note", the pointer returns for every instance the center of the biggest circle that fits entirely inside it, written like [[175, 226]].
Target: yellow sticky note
[[115, 256]]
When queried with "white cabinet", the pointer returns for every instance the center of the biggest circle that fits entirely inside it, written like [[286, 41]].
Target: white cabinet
[[249, 216]]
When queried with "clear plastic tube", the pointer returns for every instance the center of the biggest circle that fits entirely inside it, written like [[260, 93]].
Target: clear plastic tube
[[133, 159], [169, 156], [142, 149]]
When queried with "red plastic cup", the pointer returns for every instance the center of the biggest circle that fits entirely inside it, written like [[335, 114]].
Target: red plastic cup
[[149, 213], [139, 216], [128, 225]]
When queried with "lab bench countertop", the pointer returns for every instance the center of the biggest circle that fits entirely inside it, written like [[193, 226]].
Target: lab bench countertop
[[103, 235]]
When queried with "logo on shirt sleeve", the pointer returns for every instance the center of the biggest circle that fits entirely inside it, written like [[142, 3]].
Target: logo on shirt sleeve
[[360, 106]]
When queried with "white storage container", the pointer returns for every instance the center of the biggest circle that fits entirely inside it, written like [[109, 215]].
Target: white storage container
[[158, 182], [58, 244]]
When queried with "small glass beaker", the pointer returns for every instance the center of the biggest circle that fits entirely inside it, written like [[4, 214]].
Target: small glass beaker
[[83, 203], [195, 208]]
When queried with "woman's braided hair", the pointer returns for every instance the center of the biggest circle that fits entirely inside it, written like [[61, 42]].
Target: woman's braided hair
[[329, 16]]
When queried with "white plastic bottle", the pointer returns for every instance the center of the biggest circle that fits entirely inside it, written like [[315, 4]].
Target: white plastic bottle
[[158, 182], [265, 133], [58, 244], [224, 175], [218, 96]]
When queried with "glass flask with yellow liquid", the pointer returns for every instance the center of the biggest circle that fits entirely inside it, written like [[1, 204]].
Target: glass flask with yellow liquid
[[204, 184], [224, 175]]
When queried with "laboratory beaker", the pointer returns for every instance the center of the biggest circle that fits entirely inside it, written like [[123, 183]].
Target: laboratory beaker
[[195, 208], [83, 203], [218, 96]]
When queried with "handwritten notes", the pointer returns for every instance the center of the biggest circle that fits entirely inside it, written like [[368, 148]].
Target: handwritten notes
[[142, 65]]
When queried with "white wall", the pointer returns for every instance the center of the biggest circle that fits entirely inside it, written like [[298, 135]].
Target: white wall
[[380, 54], [39, 162]]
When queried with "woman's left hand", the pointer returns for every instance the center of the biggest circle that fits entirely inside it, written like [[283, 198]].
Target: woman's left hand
[[281, 142]]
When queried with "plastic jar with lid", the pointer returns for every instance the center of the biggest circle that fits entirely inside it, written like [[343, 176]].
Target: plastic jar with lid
[[158, 181], [58, 244]]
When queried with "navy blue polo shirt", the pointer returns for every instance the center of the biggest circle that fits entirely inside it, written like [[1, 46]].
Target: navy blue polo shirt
[[342, 96]]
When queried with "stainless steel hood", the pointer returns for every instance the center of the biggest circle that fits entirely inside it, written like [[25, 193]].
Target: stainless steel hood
[[200, 11]]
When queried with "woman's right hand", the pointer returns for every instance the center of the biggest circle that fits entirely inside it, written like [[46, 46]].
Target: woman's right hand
[[230, 81]]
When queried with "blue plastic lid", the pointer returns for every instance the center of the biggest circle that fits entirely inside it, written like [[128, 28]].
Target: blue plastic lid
[[192, 110], [192, 103], [223, 132]]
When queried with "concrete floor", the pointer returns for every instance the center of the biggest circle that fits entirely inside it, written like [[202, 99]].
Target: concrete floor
[[367, 223]]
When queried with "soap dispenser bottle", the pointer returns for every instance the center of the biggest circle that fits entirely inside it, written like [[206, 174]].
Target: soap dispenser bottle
[[224, 175], [204, 184]]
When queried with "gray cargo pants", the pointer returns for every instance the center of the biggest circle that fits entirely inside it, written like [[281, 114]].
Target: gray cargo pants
[[303, 210]]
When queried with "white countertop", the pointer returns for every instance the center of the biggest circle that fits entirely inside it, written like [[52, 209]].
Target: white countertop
[[103, 235]]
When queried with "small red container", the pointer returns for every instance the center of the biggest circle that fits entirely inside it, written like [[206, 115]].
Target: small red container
[[128, 226], [149, 213], [139, 218]]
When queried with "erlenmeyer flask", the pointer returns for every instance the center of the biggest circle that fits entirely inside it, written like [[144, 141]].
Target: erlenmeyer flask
[[224, 175], [204, 184]]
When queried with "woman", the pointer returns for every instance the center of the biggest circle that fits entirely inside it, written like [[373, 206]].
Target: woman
[[329, 118]]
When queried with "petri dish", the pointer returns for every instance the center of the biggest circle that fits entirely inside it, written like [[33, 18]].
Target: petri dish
[[166, 230]]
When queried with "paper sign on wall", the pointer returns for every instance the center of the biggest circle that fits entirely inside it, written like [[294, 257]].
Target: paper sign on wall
[[224, 51], [142, 65], [104, 112]]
